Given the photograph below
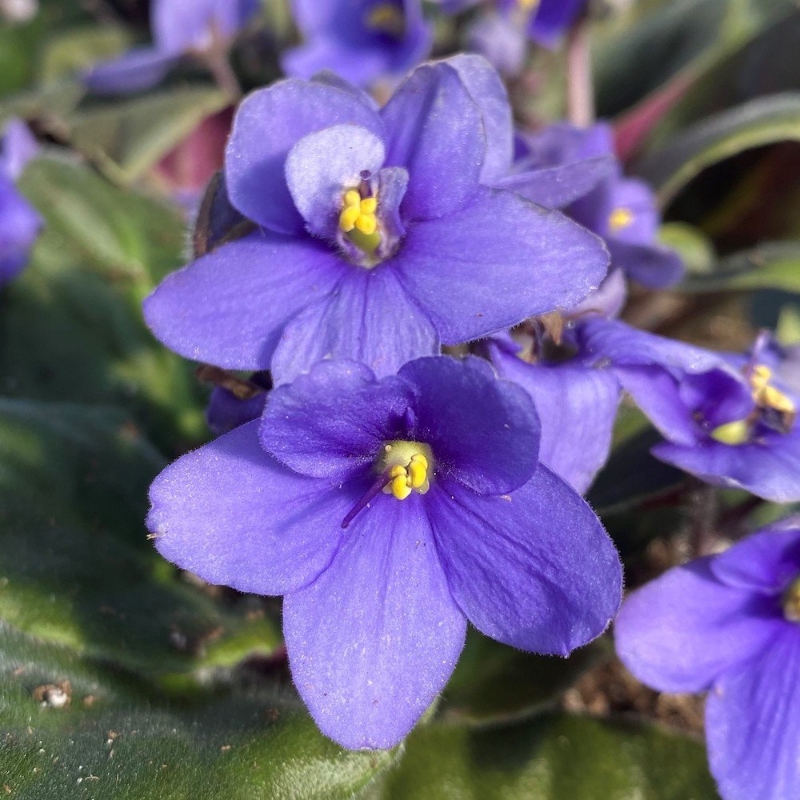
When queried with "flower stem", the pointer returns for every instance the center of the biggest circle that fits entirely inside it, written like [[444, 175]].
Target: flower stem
[[580, 90]]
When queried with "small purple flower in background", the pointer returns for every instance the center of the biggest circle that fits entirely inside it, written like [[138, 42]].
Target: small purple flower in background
[[180, 28], [377, 237], [389, 512], [20, 223], [730, 625], [242, 401], [621, 210], [360, 40], [730, 420]]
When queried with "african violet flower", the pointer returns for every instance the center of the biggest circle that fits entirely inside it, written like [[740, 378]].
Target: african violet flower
[[729, 420], [376, 238], [19, 221], [231, 406], [389, 512], [621, 210], [360, 40], [180, 27], [730, 625]]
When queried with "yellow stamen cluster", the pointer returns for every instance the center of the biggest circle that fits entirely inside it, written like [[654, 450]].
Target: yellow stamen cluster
[[619, 219], [409, 467], [791, 601], [358, 213], [528, 5], [387, 17], [765, 396]]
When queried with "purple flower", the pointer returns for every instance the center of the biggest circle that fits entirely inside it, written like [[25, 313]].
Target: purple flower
[[730, 625], [729, 420], [180, 27], [621, 210], [389, 512], [376, 237], [360, 40], [20, 223], [230, 407]]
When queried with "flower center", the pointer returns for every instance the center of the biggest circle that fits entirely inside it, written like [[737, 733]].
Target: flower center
[[358, 220], [528, 5], [386, 18], [403, 467], [619, 219], [774, 408], [791, 601]]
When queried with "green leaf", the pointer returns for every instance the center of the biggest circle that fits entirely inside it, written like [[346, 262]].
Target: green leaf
[[494, 682], [694, 247], [120, 740], [126, 137], [552, 757], [79, 570], [754, 124], [71, 325], [71, 51], [773, 265]]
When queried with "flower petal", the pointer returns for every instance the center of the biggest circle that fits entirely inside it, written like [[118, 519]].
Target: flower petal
[[552, 19], [368, 318], [768, 468], [435, 130], [765, 561], [333, 421], [483, 432], [495, 263], [577, 406], [323, 165], [533, 569], [374, 639], [134, 71], [557, 187], [683, 630], [19, 226], [489, 93], [653, 266], [229, 307], [753, 724], [232, 515], [267, 125]]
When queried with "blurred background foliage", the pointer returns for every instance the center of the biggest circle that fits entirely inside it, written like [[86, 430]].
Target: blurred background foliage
[[120, 677]]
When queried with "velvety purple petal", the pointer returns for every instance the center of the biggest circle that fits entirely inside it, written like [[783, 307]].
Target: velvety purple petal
[[267, 125], [577, 406], [183, 25], [231, 514], [533, 569], [19, 226], [765, 561], [683, 630], [134, 71], [608, 301], [499, 40], [358, 67], [753, 724], [495, 263], [435, 130], [333, 421], [483, 432], [322, 165], [552, 19], [717, 397], [226, 411], [229, 307], [17, 147], [489, 93], [368, 317], [768, 467], [374, 639], [557, 187], [653, 266]]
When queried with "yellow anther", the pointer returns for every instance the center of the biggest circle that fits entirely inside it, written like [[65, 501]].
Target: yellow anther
[[791, 601], [766, 395], [619, 219], [527, 5], [400, 488], [387, 17], [418, 472], [732, 433], [358, 213]]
